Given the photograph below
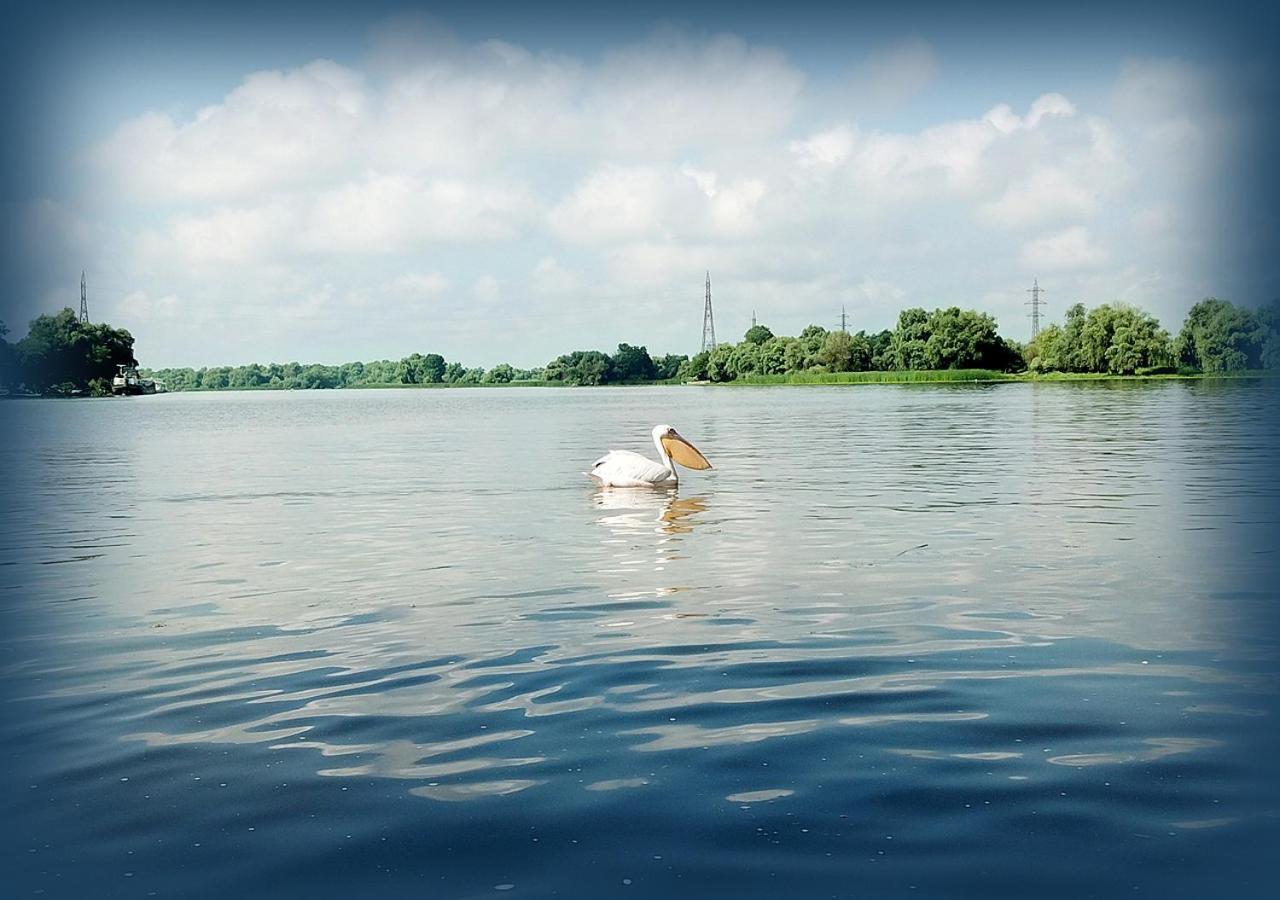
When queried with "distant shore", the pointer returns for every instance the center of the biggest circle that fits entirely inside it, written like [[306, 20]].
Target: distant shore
[[940, 376], [980, 376]]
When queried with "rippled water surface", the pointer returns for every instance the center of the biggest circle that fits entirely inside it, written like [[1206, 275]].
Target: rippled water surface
[[1014, 640]]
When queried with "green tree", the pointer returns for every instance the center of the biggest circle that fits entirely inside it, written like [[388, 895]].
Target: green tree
[[1269, 321], [909, 340], [962, 339], [250, 376], [1219, 336], [500, 374], [419, 369], [882, 357], [836, 354], [215, 379], [433, 366], [744, 360], [631, 364], [810, 345], [794, 355], [861, 352], [582, 367], [1113, 338], [718, 368], [695, 368], [668, 367], [757, 334], [773, 355]]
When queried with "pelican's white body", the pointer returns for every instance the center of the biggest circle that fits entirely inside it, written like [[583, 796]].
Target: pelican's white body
[[622, 468]]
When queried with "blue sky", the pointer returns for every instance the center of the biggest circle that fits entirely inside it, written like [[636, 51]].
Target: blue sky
[[327, 182]]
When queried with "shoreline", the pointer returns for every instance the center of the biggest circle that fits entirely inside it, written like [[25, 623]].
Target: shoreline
[[828, 379]]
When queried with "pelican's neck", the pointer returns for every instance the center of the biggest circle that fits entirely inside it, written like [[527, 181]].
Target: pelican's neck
[[665, 457]]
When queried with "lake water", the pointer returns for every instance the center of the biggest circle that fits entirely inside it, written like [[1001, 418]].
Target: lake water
[[984, 641]]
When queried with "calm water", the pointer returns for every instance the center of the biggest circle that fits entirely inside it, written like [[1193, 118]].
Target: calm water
[[980, 641]]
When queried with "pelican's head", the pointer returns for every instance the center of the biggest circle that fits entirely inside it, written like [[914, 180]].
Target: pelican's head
[[671, 444]]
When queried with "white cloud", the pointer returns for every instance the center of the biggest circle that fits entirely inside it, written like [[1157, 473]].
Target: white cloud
[[376, 215], [550, 277], [417, 284], [446, 107], [392, 212], [1154, 221], [140, 305], [825, 149], [1003, 119], [275, 129], [955, 158], [1067, 250], [462, 110], [1048, 105], [673, 92], [219, 237], [619, 203], [1048, 194]]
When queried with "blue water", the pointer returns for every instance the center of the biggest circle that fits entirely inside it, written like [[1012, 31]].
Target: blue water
[[918, 641]]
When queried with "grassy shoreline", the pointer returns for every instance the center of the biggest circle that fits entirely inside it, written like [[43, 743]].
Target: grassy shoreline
[[972, 376]]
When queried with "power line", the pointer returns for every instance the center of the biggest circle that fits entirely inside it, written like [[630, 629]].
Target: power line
[[708, 321], [1035, 303]]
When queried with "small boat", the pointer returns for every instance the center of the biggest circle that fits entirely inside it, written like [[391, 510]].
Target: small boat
[[129, 382]]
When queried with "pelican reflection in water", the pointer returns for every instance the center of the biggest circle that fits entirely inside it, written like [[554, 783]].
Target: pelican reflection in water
[[635, 511]]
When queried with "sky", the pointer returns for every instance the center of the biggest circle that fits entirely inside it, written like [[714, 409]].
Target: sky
[[505, 183]]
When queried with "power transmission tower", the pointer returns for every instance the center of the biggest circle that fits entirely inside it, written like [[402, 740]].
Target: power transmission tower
[[753, 318], [1035, 303], [844, 321], [708, 321], [84, 300]]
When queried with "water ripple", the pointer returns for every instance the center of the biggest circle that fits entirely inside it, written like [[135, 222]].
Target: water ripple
[[952, 638]]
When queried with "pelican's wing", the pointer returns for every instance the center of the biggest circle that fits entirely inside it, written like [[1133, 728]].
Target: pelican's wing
[[622, 468]]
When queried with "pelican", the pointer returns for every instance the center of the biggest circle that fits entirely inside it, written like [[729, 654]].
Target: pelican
[[622, 468]]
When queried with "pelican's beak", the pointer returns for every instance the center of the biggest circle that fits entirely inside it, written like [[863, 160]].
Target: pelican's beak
[[683, 452]]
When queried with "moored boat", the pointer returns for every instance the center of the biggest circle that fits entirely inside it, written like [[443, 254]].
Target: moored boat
[[127, 381]]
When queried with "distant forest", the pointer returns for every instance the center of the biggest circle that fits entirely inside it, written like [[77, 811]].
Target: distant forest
[[62, 354]]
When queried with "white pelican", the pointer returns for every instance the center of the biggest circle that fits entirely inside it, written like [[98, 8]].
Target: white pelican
[[622, 468]]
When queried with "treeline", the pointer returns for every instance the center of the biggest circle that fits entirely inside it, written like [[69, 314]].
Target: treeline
[[415, 369], [1113, 338], [1217, 337], [950, 338], [630, 365], [62, 356]]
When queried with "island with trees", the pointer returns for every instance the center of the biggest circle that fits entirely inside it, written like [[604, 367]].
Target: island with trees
[[64, 356]]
